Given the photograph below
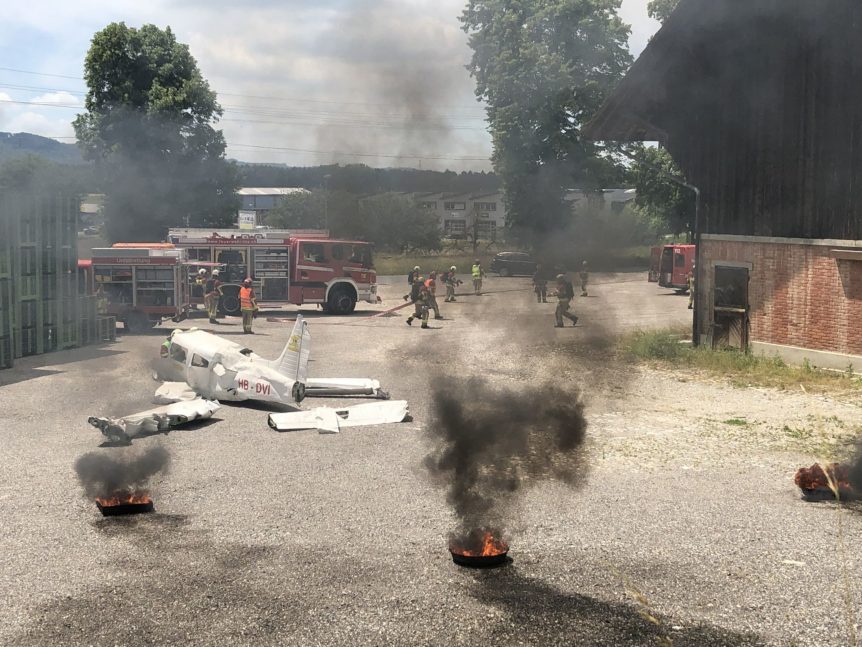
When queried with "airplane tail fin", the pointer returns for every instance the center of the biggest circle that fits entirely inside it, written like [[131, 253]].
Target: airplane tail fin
[[293, 362]]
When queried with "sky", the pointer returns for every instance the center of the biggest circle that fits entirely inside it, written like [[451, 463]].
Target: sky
[[380, 82]]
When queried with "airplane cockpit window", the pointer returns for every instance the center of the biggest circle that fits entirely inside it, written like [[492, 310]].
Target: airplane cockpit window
[[178, 353], [199, 361]]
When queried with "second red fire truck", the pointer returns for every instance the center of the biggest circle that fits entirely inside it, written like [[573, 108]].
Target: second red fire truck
[[287, 266]]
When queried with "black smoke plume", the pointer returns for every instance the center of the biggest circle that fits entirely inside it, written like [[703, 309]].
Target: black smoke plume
[[105, 475], [491, 444]]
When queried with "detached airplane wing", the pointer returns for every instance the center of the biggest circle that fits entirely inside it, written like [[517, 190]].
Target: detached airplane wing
[[328, 421], [160, 419]]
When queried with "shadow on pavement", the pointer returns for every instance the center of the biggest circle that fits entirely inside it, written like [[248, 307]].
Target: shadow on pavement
[[540, 612], [28, 368]]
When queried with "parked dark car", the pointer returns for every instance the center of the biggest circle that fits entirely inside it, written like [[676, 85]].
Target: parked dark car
[[512, 263]]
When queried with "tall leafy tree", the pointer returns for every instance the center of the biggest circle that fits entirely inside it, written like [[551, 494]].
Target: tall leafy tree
[[667, 204], [149, 129], [661, 9], [544, 67]]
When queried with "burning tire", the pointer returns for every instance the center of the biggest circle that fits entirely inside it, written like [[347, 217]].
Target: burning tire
[[479, 549]]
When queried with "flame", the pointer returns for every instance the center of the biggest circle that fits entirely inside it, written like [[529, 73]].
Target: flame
[[482, 543], [127, 498]]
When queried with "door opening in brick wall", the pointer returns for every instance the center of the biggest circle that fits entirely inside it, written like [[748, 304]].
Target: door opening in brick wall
[[730, 307]]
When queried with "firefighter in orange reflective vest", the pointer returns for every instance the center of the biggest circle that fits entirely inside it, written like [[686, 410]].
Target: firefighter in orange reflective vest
[[431, 285], [248, 305]]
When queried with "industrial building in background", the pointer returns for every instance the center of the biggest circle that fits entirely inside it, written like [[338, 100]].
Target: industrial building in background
[[41, 307], [759, 104]]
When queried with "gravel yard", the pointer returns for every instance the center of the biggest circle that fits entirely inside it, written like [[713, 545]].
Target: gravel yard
[[689, 515]]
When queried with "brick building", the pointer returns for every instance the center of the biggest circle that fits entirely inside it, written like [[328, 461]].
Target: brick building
[[759, 103]]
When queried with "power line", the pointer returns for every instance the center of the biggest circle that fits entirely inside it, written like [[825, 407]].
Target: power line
[[268, 111], [431, 156], [248, 96], [285, 149], [59, 76], [330, 123]]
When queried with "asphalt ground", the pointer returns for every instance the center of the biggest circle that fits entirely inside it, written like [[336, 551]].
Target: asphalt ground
[[261, 538]]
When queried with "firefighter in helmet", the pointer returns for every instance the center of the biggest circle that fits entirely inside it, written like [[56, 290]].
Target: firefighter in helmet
[[451, 283], [412, 277], [478, 274], [212, 294], [584, 275], [248, 305], [421, 302], [431, 285], [565, 294]]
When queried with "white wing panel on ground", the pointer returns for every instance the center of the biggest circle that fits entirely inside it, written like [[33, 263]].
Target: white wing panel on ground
[[328, 420]]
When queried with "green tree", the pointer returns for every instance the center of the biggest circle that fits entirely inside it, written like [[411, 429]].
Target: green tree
[[661, 9], [149, 129], [668, 205], [35, 174], [390, 221], [393, 222], [544, 67]]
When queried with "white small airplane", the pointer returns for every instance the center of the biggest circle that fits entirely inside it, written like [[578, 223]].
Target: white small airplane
[[218, 369]]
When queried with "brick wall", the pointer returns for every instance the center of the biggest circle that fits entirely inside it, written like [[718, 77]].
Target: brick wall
[[799, 295]]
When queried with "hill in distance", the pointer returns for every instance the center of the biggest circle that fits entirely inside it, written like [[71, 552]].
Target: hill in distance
[[15, 145]]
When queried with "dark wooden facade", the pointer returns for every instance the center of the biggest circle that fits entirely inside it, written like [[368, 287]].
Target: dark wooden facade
[[760, 103]]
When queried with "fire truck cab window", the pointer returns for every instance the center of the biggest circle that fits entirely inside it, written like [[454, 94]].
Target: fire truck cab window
[[338, 252], [178, 353], [313, 253], [199, 361]]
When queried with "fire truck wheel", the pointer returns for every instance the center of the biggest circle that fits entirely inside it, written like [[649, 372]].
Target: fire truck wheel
[[341, 301]]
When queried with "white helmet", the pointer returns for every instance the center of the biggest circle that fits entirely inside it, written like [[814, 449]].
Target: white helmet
[[416, 269], [202, 271], [215, 272], [453, 268]]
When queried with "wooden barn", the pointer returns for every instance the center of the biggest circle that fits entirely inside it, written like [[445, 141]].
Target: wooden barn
[[760, 103]]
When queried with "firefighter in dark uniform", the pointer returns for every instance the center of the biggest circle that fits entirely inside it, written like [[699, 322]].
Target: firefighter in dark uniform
[[212, 293], [451, 283], [565, 294], [422, 303], [412, 277], [540, 285]]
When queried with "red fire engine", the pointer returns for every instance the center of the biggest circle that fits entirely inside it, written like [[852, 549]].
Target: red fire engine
[[140, 286], [675, 263], [287, 266]]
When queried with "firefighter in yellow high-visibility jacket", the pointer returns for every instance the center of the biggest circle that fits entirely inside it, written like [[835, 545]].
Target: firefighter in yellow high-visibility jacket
[[478, 274]]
